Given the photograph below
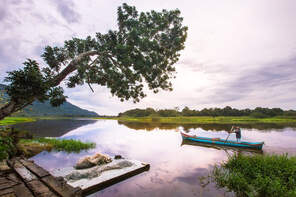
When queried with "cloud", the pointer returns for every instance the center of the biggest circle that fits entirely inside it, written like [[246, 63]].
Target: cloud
[[239, 54], [3, 13], [274, 81], [5, 7], [67, 9]]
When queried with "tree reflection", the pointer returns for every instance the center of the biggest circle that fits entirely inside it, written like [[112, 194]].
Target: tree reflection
[[265, 127]]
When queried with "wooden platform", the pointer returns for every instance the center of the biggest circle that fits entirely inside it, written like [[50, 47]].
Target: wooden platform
[[21, 178], [106, 178]]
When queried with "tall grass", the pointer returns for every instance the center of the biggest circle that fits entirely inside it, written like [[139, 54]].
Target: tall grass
[[15, 120], [258, 175], [68, 145]]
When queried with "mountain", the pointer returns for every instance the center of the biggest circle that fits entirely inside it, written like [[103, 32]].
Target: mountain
[[45, 109]]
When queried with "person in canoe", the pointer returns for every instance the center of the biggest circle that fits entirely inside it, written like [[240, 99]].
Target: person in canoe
[[237, 132]]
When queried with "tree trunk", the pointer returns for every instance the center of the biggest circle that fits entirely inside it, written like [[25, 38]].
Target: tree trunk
[[13, 107], [7, 109]]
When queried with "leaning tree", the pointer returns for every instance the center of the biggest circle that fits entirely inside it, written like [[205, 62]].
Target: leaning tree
[[142, 50]]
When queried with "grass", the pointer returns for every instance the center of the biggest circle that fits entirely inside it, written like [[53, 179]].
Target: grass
[[258, 175], [15, 142], [15, 120], [68, 145], [7, 147], [208, 120]]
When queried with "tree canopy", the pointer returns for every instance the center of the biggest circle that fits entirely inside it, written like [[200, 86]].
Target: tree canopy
[[258, 112], [142, 50]]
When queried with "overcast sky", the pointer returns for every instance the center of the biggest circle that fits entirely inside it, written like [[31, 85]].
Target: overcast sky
[[240, 53]]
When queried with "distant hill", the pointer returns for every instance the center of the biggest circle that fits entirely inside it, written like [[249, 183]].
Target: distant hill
[[45, 109]]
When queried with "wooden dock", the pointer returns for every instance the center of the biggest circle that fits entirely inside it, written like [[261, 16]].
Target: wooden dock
[[106, 178], [20, 177]]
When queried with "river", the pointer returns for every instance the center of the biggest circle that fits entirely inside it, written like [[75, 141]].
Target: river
[[177, 168]]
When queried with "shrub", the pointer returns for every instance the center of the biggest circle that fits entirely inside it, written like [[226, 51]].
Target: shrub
[[258, 176], [7, 148]]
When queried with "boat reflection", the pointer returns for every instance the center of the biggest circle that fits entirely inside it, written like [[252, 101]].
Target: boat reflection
[[225, 148]]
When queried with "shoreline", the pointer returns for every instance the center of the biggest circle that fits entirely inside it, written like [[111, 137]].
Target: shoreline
[[206, 120], [8, 121]]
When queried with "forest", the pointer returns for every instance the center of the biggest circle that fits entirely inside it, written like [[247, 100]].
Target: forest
[[258, 112]]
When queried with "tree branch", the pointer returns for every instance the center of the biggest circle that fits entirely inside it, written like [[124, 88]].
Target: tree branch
[[14, 106], [72, 66]]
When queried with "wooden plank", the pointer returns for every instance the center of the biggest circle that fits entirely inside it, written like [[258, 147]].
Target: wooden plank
[[6, 191], [37, 170], [8, 184], [61, 187], [39, 189], [8, 195], [22, 171], [3, 180], [13, 177], [21, 190], [112, 181]]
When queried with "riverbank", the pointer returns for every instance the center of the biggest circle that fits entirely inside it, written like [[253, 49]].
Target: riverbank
[[31, 147], [207, 120], [14, 120], [16, 143], [170, 120]]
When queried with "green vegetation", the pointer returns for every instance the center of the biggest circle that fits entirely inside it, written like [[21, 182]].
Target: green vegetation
[[7, 148], [208, 120], [8, 140], [141, 51], [258, 112], [258, 175], [226, 115], [68, 145], [15, 120]]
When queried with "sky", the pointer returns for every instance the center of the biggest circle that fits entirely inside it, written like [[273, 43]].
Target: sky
[[238, 53]]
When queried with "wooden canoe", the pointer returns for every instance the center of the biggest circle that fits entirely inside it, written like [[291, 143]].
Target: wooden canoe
[[222, 142]]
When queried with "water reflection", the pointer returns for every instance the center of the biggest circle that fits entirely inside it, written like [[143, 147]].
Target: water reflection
[[177, 167], [52, 128], [225, 148], [207, 127]]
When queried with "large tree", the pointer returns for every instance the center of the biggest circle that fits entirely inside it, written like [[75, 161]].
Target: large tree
[[144, 48]]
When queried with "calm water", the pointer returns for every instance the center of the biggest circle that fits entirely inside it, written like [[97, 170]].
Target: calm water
[[177, 168]]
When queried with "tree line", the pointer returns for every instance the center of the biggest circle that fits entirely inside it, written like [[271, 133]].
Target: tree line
[[258, 112]]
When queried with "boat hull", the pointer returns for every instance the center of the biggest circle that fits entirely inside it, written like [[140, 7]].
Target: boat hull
[[217, 141]]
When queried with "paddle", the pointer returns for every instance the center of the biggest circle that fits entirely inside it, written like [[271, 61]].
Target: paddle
[[227, 137], [229, 134]]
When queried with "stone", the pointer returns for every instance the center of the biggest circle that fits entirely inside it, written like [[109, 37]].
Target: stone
[[118, 157], [90, 161]]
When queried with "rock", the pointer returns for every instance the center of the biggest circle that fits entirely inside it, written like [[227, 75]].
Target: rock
[[118, 157], [90, 161], [60, 178]]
